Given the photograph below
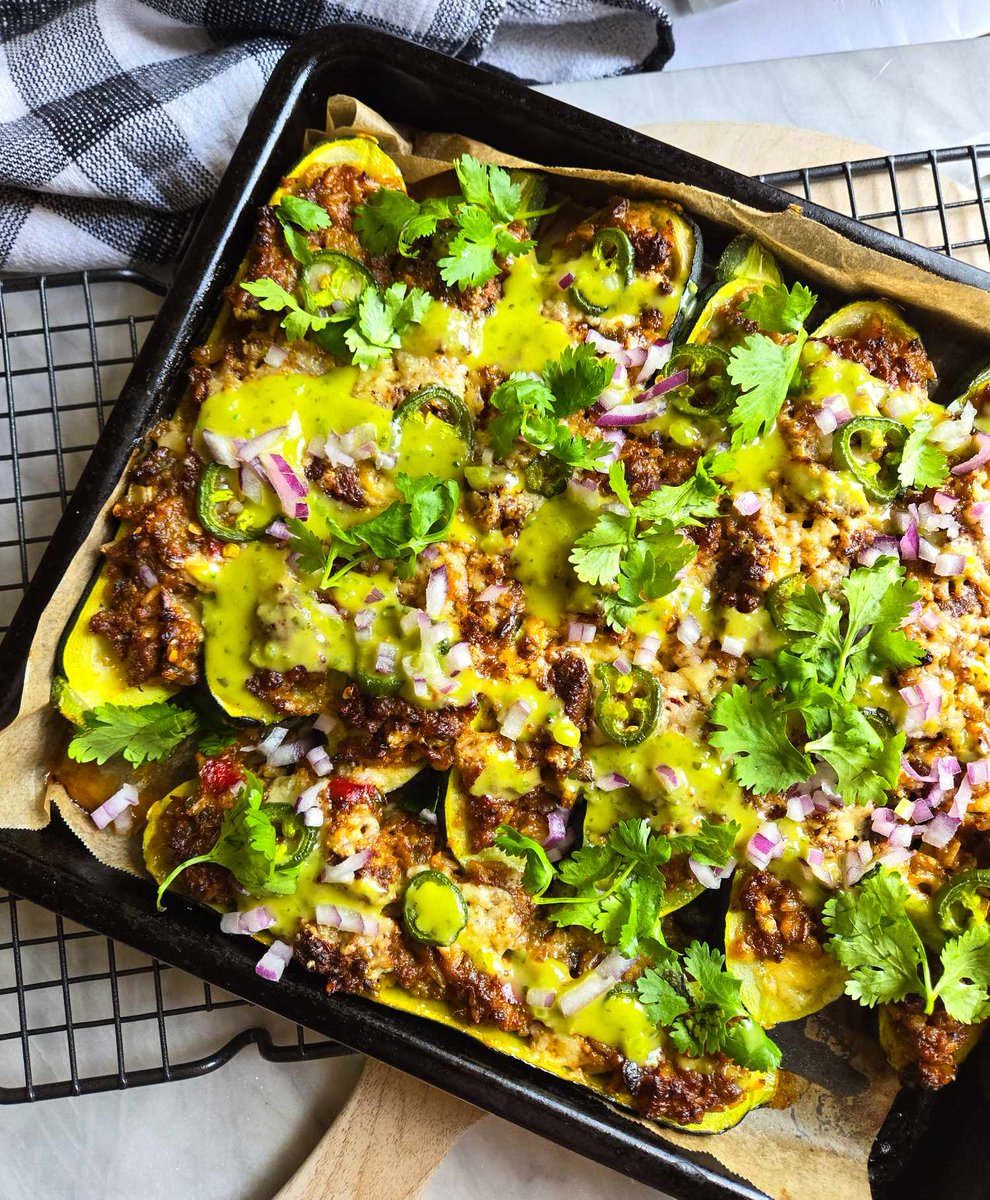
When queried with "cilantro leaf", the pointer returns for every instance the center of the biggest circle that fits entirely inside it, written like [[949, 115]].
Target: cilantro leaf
[[635, 842], [214, 741], [663, 1002], [577, 378], [588, 865], [381, 320], [382, 219], [597, 554], [471, 258], [762, 369], [146, 734], [711, 843], [872, 936], [525, 409], [629, 917], [273, 297], [246, 846], [965, 977], [297, 243], [922, 465], [489, 187], [304, 213], [777, 310], [754, 731], [538, 874], [686, 503]]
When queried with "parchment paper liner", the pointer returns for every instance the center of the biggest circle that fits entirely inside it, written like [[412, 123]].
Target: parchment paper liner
[[819, 1146]]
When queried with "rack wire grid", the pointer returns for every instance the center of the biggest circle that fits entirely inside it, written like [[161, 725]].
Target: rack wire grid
[[78, 1012]]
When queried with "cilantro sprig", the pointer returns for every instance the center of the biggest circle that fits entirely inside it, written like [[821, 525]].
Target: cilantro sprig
[[295, 213], [803, 703], [697, 1002], [473, 227], [875, 939], [532, 410], [399, 532], [643, 552], [618, 885], [145, 734], [246, 846], [922, 465], [382, 319], [763, 368]]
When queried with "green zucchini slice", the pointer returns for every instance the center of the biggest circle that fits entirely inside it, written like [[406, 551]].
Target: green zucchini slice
[[854, 320], [757, 1088], [805, 981], [87, 671], [746, 258]]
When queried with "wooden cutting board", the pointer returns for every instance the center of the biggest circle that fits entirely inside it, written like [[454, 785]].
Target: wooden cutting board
[[395, 1131]]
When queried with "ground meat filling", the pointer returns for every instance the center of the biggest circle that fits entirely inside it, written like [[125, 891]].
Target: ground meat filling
[[293, 693], [902, 364], [340, 483], [665, 1092], [780, 917], [390, 729], [571, 680], [928, 1044], [190, 826]]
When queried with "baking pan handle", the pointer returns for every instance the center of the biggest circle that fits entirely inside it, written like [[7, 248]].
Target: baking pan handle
[[389, 1138]]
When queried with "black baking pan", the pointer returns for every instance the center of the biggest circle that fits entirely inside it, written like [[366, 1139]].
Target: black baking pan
[[425, 90]]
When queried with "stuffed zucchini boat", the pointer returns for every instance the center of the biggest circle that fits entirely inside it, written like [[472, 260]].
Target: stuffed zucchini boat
[[512, 636]]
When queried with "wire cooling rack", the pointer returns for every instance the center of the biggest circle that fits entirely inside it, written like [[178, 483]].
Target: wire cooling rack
[[79, 1013]]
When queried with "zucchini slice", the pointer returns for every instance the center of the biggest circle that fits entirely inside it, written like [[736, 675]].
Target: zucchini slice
[[854, 320], [746, 258], [757, 1088], [362, 153], [898, 1052], [87, 671], [805, 981]]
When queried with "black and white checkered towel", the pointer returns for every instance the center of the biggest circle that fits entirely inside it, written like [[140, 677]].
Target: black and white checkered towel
[[117, 117]]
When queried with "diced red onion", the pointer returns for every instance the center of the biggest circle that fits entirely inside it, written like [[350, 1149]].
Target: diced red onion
[[581, 631], [909, 543], [688, 631], [349, 920], [249, 482], [621, 664], [514, 721], [950, 565], [374, 596], [944, 502], [363, 618], [978, 772], [747, 503], [614, 965], [941, 831], [274, 961], [458, 658], [313, 818], [272, 740], [815, 861], [345, 870], [611, 782], [287, 753], [319, 760], [668, 775], [900, 835], [979, 459], [492, 592], [436, 591], [922, 812], [838, 406], [980, 512], [223, 449], [636, 355], [667, 384], [926, 551], [541, 997], [310, 798], [385, 660], [708, 876], [250, 921], [826, 420], [582, 994], [147, 576], [799, 807], [624, 415], [883, 821], [325, 723], [275, 355], [334, 452], [912, 773], [766, 844], [122, 799], [565, 281], [858, 862], [556, 828], [962, 798], [657, 356], [603, 344], [289, 488], [646, 651], [279, 530], [734, 646], [250, 450]]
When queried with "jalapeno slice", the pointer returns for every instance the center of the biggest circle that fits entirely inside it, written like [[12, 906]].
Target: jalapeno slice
[[870, 449], [627, 706], [882, 722], [374, 684], [214, 498], [708, 391], [297, 840], [546, 475], [614, 257], [963, 901], [434, 909], [332, 284], [442, 403], [777, 597]]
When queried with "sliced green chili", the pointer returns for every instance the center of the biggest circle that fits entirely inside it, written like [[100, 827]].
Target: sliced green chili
[[708, 391], [870, 449], [434, 909], [442, 403], [547, 476], [298, 840], [214, 498], [963, 901], [627, 706], [614, 252], [332, 284], [783, 590]]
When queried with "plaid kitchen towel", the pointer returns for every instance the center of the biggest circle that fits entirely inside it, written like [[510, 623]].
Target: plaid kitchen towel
[[117, 117]]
